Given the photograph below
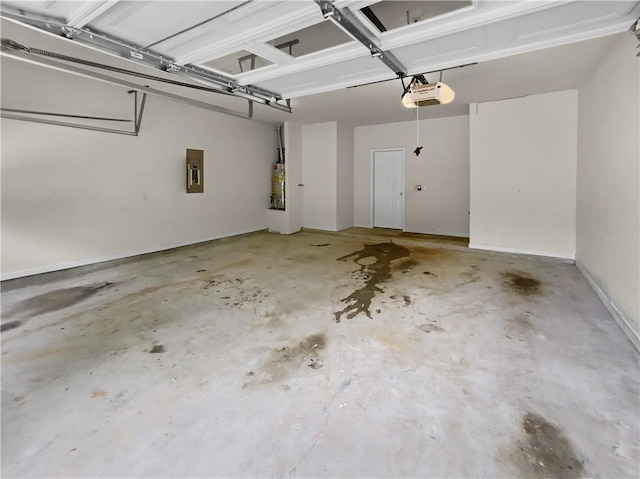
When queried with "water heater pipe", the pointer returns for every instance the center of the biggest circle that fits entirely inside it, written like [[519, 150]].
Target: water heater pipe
[[280, 153]]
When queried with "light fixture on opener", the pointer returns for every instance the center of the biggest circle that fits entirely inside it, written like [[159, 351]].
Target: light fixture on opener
[[419, 92]]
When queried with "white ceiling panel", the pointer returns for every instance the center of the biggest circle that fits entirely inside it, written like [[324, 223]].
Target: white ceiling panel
[[279, 19], [60, 9], [225, 32], [563, 17], [341, 75], [144, 23], [331, 56], [446, 50]]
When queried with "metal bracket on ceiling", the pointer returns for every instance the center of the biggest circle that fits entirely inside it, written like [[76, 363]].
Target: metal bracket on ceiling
[[225, 85], [345, 19], [36, 117]]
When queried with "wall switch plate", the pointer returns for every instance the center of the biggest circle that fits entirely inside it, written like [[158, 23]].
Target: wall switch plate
[[195, 171]]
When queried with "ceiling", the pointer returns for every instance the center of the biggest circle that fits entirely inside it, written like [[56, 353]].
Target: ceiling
[[290, 50], [559, 68]]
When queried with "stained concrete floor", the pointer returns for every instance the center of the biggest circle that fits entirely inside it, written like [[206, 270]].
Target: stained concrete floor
[[227, 360]]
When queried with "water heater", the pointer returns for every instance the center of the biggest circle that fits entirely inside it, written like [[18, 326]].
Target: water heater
[[277, 186]]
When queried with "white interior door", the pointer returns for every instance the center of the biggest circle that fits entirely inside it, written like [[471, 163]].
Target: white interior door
[[388, 189]]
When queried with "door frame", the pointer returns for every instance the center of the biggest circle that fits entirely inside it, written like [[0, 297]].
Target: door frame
[[372, 183]]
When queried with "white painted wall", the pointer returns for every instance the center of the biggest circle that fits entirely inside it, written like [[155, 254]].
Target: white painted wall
[[294, 175], [344, 177], [72, 197], [319, 166], [608, 209], [442, 207], [523, 174]]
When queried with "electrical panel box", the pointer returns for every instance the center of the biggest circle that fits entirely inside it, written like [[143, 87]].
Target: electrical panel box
[[195, 171]]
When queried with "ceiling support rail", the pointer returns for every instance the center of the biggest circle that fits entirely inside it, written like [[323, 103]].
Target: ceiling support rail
[[64, 115], [22, 115], [345, 19], [21, 55], [11, 116], [224, 84]]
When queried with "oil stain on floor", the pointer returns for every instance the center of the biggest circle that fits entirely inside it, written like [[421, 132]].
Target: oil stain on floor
[[57, 299], [10, 325], [285, 361], [51, 301], [374, 261], [545, 452], [522, 283]]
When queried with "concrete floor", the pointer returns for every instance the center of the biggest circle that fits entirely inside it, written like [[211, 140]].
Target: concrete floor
[[227, 359]]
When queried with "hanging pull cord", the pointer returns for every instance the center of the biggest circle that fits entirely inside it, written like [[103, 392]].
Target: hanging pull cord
[[418, 147], [11, 45]]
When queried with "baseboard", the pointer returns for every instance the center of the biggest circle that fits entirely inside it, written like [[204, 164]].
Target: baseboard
[[503, 249], [630, 327], [439, 233], [311, 229], [111, 257], [344, 227], [285, 232]]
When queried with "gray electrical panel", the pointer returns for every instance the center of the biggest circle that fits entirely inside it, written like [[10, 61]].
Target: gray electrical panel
[[195, 171]]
